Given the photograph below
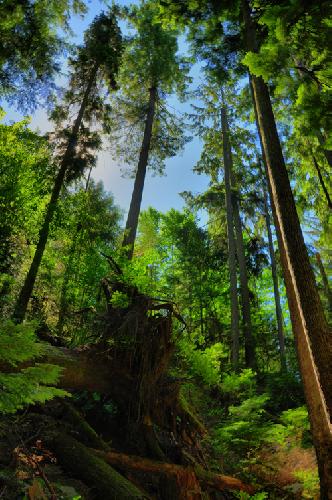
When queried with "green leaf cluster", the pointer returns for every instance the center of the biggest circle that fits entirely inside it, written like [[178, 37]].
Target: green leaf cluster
[[20, 387]]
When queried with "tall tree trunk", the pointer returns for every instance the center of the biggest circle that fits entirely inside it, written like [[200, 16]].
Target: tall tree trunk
[[235, 317], [26, 291], [322, 183], [136, 199], [280, 322], [249, 344], [310, 327], [327, 289]]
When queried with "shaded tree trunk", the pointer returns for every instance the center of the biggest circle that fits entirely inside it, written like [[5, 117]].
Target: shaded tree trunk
[[310, 328], [322, 183], [250, 356], [136, 199], [235, 317], [280, 322], [26, 291], [249, 342]]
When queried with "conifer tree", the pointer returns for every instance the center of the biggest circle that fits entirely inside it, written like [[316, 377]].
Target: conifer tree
[[217, 142], [276, 293], [97, 62], [236, 222], [151, 70]]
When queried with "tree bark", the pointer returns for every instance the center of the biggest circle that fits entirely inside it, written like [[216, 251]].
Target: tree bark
[[249, 344], [280, 322], [83, 463], [322, 183], [235, 317], [310, 328], [26, 291], [136, 199], [184, 475]]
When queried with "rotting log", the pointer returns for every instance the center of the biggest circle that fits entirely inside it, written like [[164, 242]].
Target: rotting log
[[206, 478], [92, 470]]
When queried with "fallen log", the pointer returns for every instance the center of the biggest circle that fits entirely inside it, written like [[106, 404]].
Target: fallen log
[[205, 478], [92, 470]]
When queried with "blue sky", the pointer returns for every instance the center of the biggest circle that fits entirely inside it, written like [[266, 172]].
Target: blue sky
[[160, 192]]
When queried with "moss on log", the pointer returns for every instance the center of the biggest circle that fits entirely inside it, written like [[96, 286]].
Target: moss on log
[[92, 470]]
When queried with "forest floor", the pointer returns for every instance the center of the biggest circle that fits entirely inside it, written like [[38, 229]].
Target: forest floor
[[32, 469], [141, 430]]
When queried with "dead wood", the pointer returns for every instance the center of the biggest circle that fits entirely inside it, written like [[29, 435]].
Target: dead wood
[[182, 475], [92, 470]]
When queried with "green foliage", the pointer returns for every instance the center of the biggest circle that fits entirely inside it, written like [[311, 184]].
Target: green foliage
[[28, 385], [310, 482], [242, 431], [120, 299], [95, 403], [293, 427], [241, 495], [238, 385], [150, 59], [25, 176], [203, 364]]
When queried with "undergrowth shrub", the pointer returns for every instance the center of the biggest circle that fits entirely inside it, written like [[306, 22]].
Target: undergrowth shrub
[[292, 429], [20, 387], [310, 483], [248, 425], [203, 364]]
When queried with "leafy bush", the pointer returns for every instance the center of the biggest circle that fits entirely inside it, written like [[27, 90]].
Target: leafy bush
[[20, 387]]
